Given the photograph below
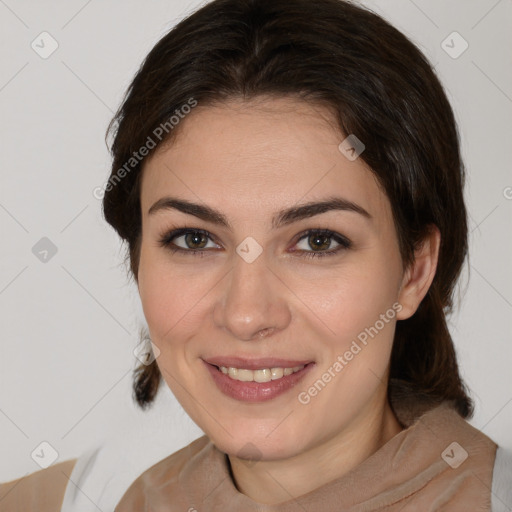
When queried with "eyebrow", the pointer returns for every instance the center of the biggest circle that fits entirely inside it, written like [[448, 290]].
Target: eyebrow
[[281, 218]]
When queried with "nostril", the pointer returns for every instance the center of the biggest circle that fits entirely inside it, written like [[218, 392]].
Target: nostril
[[264, 332]]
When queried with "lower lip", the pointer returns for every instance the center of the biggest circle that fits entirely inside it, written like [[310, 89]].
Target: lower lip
[[255, 391]]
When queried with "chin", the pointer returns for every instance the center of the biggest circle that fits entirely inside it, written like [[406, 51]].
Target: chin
[[252, 445]]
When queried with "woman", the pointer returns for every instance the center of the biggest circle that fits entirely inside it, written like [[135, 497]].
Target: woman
[[288, 180]]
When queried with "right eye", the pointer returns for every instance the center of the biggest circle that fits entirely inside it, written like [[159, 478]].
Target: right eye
[[194, 241]]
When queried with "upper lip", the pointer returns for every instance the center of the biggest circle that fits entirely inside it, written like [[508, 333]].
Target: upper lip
[[254, 364]]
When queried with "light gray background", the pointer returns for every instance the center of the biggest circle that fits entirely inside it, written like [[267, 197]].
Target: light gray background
[[69, 326]]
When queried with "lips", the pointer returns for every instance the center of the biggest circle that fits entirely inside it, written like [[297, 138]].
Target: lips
[[253, 391], [255, 364]]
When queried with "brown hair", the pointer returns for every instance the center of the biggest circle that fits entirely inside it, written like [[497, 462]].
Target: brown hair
[[381, 88]]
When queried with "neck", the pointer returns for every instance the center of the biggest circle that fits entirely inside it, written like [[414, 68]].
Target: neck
[[272, 482]]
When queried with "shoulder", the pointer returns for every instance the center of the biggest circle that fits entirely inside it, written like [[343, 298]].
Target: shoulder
[[42, 491], [158, 475]]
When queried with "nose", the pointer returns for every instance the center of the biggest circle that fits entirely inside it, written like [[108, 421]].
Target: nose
[[253, 301]]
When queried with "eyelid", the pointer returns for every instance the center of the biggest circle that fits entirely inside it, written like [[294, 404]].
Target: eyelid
[[341, 239], [343, 242], [166, 239]]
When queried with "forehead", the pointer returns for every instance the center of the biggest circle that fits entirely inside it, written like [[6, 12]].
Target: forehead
[[255, 155]]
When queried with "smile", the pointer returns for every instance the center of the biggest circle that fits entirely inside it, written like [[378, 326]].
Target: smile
[[264, 380], [263, 375]]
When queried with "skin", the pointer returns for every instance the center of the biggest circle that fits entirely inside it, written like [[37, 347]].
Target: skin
[[249, 160]]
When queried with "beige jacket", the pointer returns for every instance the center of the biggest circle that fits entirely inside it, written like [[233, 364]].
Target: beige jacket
[[42, 491], [411, 470], [438, 464]]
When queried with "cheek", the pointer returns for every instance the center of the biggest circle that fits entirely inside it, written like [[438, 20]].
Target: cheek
[[175, 301], [357, 305], [163, 292], [353, 298]]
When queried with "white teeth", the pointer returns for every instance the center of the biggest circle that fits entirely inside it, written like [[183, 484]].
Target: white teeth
[[263, 375], [276, 373]]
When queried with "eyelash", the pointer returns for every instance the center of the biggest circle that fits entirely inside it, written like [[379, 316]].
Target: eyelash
[[167, 238]]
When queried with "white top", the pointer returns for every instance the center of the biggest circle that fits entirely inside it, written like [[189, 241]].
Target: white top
[[137, 441], [502, 482]]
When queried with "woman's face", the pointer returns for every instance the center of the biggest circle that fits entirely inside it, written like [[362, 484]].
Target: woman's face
[[266, 291]]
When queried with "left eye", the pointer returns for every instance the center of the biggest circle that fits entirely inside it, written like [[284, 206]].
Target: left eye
[[320, 240], [195, 242]]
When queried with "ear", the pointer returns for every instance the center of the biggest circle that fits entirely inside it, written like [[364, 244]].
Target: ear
[[419, 276]]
